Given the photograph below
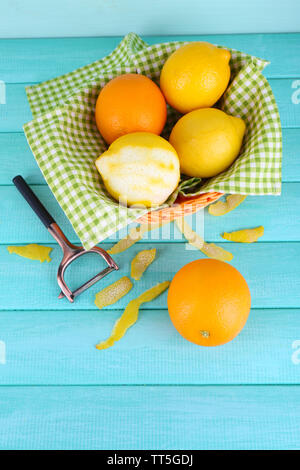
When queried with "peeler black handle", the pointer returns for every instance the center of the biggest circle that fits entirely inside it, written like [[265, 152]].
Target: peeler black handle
[[33, 201]]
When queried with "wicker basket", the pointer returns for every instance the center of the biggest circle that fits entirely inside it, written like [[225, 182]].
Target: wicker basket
[[182, 206]]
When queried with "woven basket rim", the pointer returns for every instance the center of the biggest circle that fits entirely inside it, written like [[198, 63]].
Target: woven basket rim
[[185, 206]]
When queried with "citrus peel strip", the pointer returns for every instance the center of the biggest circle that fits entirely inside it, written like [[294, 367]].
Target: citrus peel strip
[[222, 208], [131, 313], [192, 237], [248, 235], [141, 262], [32, 251], [216, 252], [135, 234], [209, 249], [114, 292]]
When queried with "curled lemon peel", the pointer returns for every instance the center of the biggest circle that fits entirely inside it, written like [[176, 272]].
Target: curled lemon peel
[[216, 252], [131, 313], [222, 208], [135, 234], [248, 235], [32, 251], [192, 237], [209, 249], [114, 292], [141, 262]]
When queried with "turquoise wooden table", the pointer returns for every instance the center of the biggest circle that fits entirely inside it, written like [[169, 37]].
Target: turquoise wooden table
[[153, 389]]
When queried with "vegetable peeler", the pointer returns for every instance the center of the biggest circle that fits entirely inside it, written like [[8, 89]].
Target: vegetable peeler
[[70, 251]]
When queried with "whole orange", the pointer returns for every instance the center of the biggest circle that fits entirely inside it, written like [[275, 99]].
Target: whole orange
[[130, 103], [209, 302]]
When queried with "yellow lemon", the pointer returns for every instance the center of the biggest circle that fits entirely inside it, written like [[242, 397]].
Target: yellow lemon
[[140, 169], [207, 141], [195, 76]]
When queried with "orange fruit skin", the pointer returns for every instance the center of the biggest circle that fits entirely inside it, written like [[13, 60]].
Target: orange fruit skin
[[130, 103], [209, 302]]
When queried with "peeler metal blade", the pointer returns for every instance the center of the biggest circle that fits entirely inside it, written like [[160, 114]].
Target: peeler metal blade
[[70, 251], [89, 283]]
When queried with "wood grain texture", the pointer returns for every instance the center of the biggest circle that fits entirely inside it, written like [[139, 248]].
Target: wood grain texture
[[278, 215], [204, 398], [58, 348], [16, 112], [58, 56], [106, 18], [272, 271], [150, 417], [16, 157]]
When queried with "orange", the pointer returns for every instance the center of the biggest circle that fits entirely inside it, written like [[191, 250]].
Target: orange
[[209, 302], [130, 103]]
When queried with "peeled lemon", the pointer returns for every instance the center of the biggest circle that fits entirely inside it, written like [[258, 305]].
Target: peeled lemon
[[195, 76], [207, 141], [140, 169]]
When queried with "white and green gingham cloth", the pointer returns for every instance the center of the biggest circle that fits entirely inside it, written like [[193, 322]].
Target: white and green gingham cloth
[[65, 140]]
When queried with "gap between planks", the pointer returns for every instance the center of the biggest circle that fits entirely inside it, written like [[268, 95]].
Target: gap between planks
[[117, 309], [150, 385]]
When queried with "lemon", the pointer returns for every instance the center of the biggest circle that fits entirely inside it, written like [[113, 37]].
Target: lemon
[[140, 169], [195, 76], [207, 141]]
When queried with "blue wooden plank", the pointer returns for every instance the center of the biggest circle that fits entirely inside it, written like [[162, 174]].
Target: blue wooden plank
[[57, 348], [170, 17], [271, 269], [18, 214], [290, 164], [16, 112], [16, 157], [286, 92], [19, 62], [279, 216], [242, 417], [45, 345]]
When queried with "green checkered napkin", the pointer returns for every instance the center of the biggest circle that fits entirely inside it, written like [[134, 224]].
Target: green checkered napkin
[[65, 141]]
